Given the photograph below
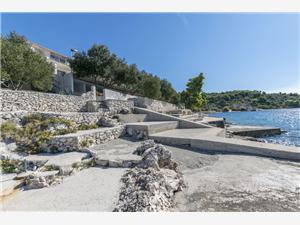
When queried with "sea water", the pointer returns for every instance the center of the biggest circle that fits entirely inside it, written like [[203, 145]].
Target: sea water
[[286, 119]]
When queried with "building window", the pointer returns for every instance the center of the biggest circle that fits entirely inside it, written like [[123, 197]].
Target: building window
[[57, 58], [61, 73]]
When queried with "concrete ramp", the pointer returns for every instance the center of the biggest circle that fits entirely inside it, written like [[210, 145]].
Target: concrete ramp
[[208, 139], [156, 116]]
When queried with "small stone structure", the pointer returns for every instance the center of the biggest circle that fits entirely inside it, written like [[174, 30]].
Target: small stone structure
[[12, 100]]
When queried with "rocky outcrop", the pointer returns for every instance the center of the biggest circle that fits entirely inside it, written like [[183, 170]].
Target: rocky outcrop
[[151, 185], [148, 190]]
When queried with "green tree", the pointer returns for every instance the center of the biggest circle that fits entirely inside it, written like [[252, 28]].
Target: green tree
[[95, 64], [168, 93], [21, 67], [151, 87], [193, 98]]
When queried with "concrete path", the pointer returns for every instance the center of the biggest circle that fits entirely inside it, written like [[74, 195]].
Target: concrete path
[[93, 189], [236, 182]]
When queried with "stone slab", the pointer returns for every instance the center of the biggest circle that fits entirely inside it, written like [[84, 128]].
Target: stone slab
[[59, 159], [116, 153], [253, 131]]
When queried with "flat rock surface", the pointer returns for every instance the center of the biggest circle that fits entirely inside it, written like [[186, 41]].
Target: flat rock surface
[[93, 189], [116, 150], [217, 182], [7, 183], [116, 147], [59, 159]]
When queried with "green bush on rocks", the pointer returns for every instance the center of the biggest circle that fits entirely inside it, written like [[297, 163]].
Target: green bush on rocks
[[87, 126], [6, 166], [36, 131]]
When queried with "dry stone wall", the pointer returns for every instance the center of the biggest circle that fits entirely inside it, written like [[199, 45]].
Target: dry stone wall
[[79, 118], [12, 100], [84, 139], [155, 105]]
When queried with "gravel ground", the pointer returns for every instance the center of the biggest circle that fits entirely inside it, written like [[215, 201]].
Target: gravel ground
[[236, 183]]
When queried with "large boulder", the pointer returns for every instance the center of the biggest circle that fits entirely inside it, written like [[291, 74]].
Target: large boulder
[[150, 186], [155, 156]]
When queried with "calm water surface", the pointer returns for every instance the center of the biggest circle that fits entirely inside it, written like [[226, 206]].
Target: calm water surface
[[286, 119]]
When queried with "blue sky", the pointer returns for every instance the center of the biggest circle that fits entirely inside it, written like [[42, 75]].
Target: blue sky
[[234, 51]]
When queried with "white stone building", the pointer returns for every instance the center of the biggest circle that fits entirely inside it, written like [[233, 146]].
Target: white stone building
[[64, 82]]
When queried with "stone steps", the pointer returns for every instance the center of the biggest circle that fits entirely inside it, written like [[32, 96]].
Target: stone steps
[[207, 139], [144, 129], [132, 118]]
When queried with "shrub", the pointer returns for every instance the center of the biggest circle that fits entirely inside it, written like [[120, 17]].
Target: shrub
[[7, 166], [87, 126], [9, 131], [35, 133], [86, 143]]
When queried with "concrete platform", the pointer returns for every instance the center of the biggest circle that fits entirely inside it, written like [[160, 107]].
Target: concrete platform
[[253, 131], [207, 139], [183, 136], [152, 127]]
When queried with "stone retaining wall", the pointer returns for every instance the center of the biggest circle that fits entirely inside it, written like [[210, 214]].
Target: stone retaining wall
[[39, 101], [84, 139], [143, 102], [79, 118], [155, 105], [117, 106]]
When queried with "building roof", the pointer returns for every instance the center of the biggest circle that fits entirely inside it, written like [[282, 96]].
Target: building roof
[[49, 50]]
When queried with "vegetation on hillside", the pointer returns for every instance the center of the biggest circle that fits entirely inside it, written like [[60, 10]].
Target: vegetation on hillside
[[101, 66], [21, 67], [238, 100]]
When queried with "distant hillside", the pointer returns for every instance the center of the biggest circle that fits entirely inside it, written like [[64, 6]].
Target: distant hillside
[[250, 100]]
